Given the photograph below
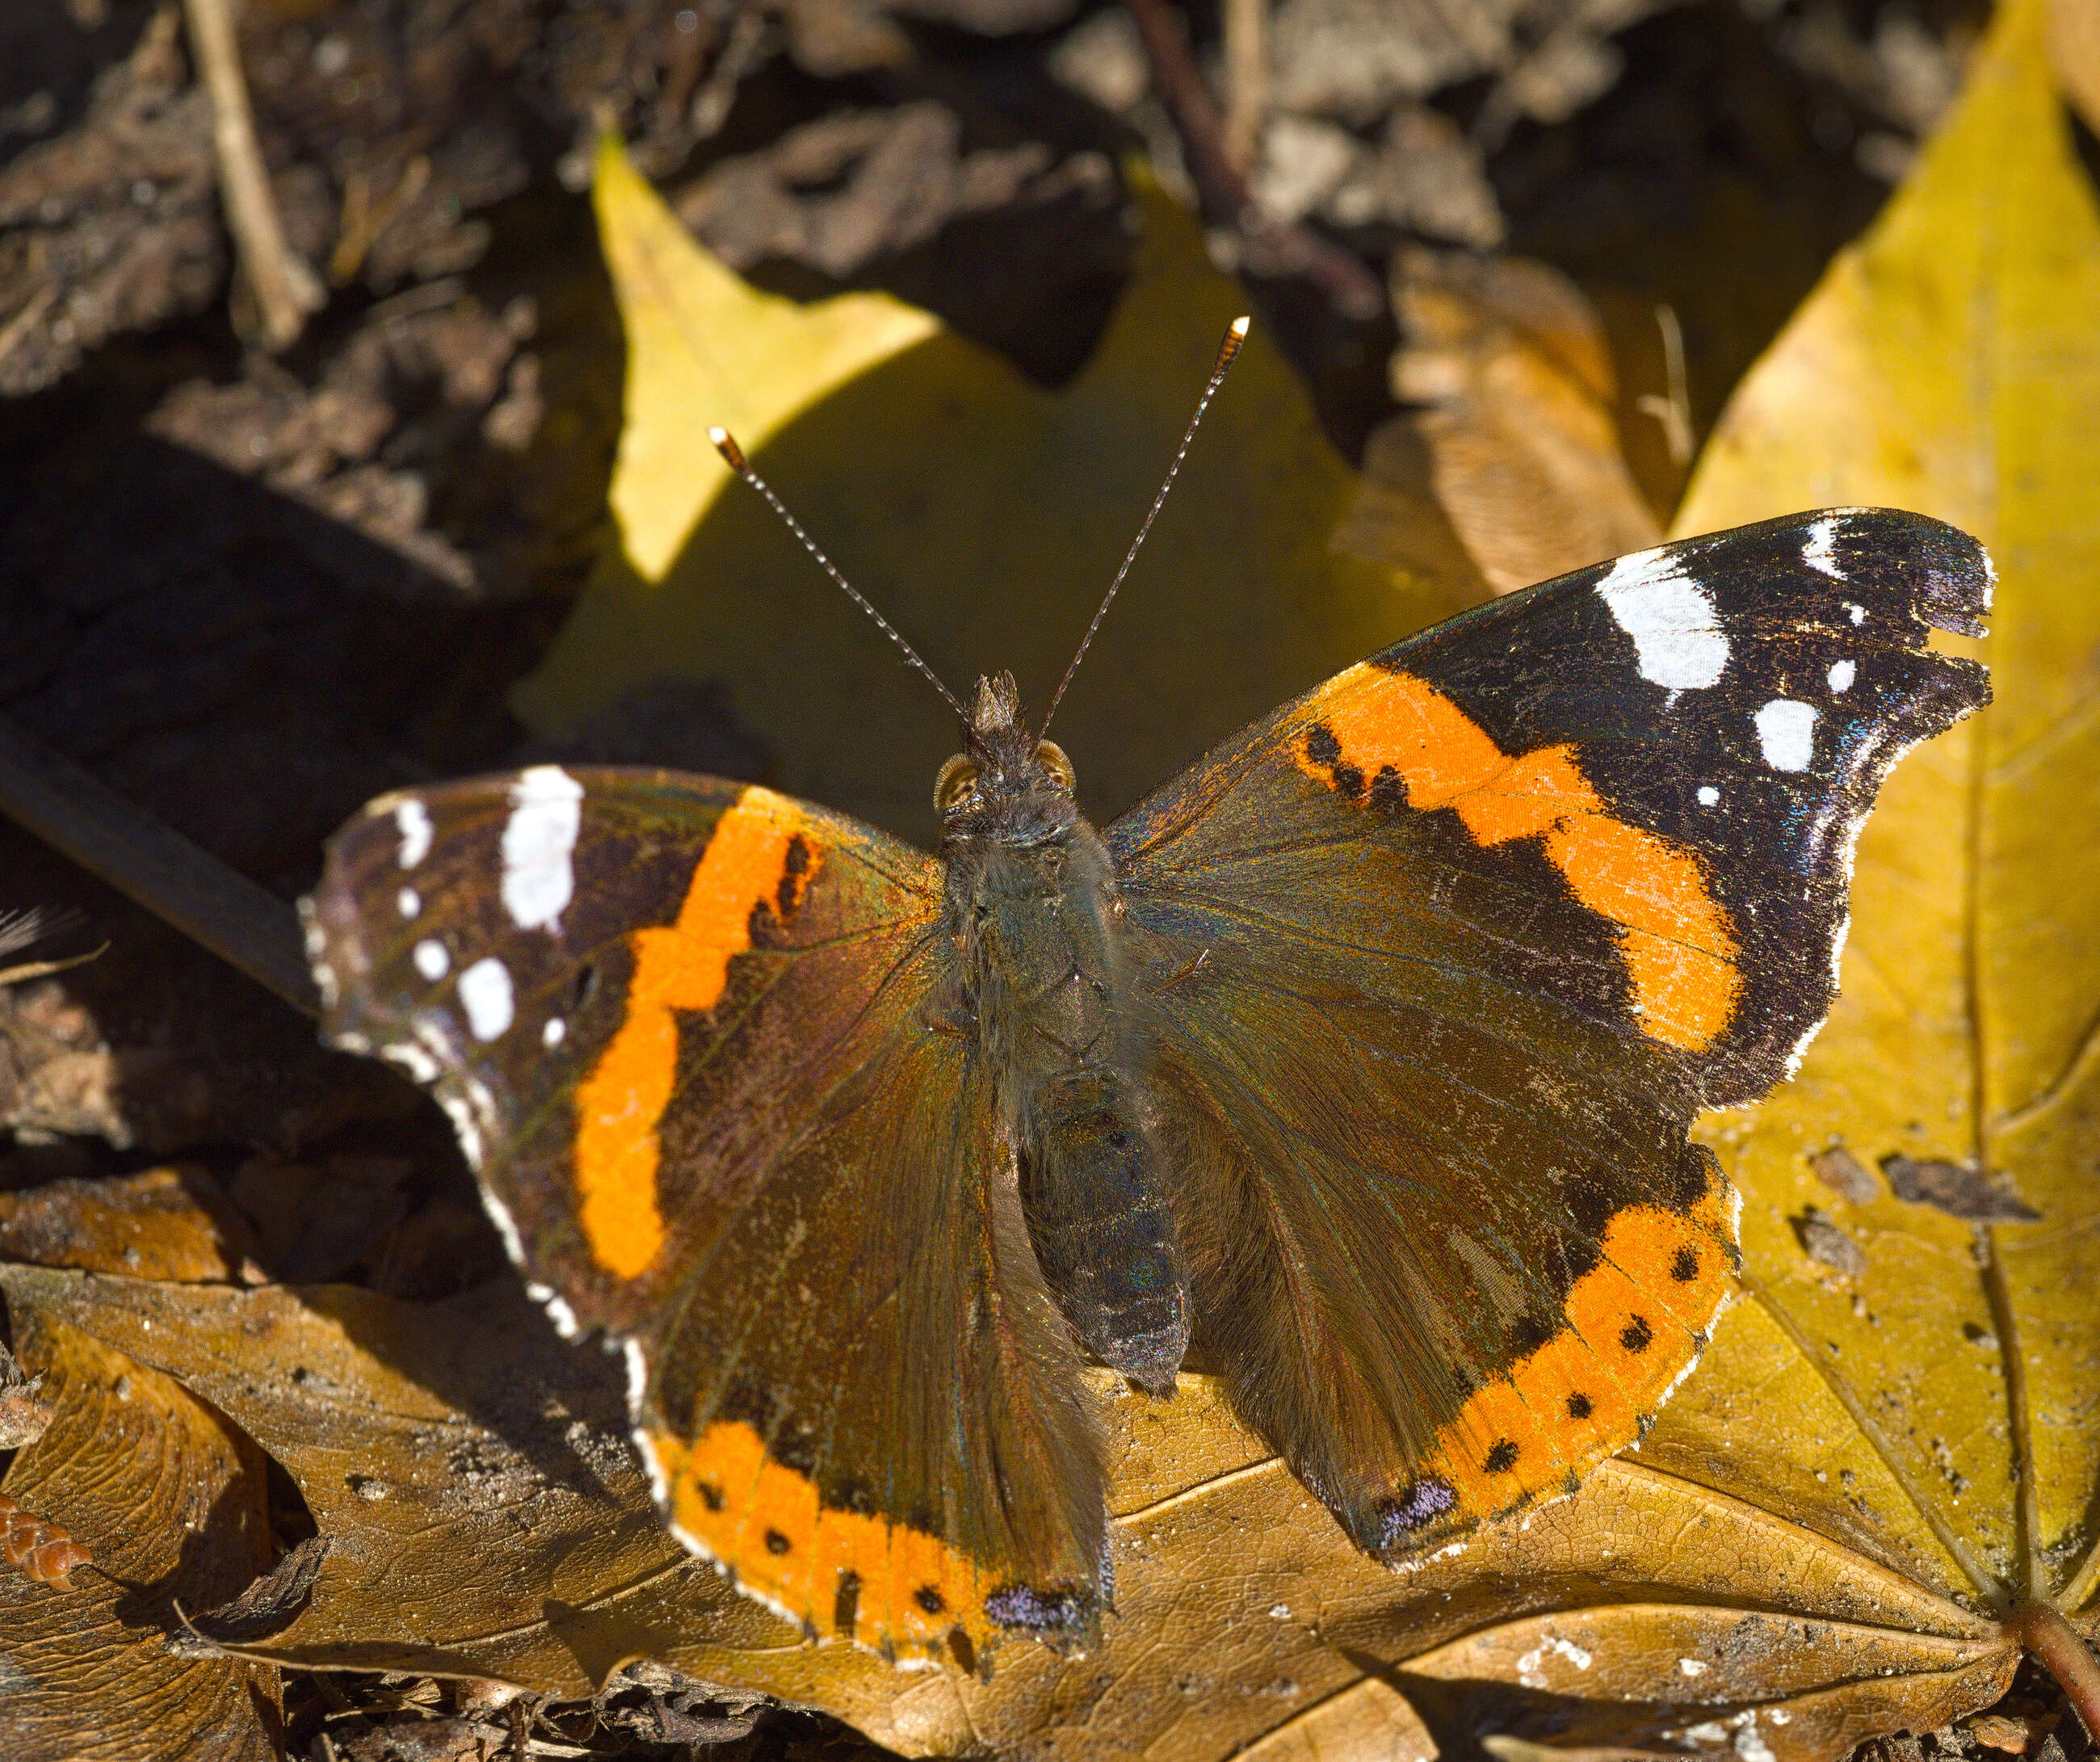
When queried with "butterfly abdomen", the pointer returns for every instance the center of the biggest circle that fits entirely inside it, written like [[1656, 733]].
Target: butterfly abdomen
[[1040, 948]]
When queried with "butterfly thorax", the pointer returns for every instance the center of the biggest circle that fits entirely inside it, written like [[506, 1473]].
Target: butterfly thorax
[[1034, 909]]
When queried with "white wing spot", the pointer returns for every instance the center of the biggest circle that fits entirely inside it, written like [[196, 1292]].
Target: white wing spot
[[409, 902], [1842, 674], [1676, 633], [1691, 1667], [552, 1035], [1786, 734], [484, 988], [411, 1058], [431, 960], [1709, 796], [1857, 613], [413, 822], [1818, 553], [546, 811]]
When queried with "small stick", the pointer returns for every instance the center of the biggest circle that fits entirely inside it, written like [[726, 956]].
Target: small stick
[[286, 288], [1674, 412], [1356, 292], [1246, 79], [76, 813]]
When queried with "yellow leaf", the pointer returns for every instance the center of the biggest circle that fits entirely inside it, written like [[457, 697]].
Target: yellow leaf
[[704, 345], [1948, 363], [983, 515]]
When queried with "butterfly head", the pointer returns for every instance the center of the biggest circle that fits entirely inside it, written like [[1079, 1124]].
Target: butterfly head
[[1003, 774]]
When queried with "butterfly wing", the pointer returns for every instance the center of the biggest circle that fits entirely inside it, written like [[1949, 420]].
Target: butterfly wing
[[689, 1034], [1443, 958]]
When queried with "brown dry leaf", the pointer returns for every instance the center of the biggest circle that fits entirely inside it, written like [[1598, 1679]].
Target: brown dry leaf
[[160, 1223], [469, 1470], [2074, 31], [1512, 445], [485, 1518], [169, 1501]]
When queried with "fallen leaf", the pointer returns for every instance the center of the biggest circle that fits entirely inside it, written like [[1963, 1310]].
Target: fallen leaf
[[170, 1222], [470, 1473], [263, 1609], [170, 1503], [1938, 1412], [1813, 1546], [1514, 438], [982, 514]]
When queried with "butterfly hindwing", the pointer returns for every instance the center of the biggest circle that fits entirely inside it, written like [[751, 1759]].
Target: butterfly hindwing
[[1445, 956], [691, 1033]]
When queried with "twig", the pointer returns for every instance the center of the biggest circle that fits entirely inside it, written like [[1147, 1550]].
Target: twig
[[243, 925], [27, 320], [286, 288], [1291, 249], [1246, 78], [1674, 412], [364, 220]]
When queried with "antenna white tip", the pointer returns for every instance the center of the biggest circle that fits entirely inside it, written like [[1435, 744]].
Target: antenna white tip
[[725, 442], [1241, 325]]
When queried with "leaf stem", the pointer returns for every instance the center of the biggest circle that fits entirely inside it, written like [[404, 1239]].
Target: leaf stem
[[2056, 1646]]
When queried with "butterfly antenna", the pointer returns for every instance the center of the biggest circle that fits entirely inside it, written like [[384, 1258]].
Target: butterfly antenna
[[724, 443], [1235, 334]]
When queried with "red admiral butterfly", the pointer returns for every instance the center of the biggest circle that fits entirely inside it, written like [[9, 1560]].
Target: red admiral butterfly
[[1361, 1054]]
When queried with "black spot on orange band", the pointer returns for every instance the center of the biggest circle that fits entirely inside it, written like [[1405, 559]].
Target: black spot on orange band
[[1676, 940]]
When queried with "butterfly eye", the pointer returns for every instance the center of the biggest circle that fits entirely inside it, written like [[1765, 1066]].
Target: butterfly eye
[[957, 782], [1050, 756]]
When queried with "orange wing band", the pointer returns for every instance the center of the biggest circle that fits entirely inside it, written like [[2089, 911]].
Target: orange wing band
[[1633, 1325], [1676, 939], [760, 855], [842, 1574]]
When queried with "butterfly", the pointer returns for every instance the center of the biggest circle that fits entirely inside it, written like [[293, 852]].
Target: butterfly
[[1360, 1055]]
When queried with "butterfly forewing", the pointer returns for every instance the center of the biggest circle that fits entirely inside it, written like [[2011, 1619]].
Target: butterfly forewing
[[1447, 954], [688, 1032]]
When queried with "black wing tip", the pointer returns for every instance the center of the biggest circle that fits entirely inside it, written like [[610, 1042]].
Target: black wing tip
[[1950, 574], [1958, 582]]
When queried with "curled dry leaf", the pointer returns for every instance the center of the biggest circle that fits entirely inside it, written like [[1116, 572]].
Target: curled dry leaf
[[983, 515], [25, 1414], [170, 1501], [1825, 1536], [1512, 436], [263, 1611], [469, 1471]]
